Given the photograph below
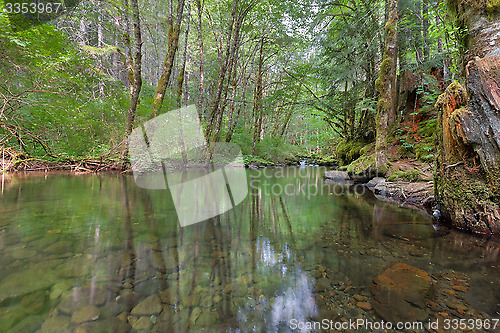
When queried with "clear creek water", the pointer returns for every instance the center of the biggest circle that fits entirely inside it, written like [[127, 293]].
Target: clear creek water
[[96, 253]]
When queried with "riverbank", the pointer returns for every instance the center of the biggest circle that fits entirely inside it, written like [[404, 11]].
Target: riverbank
[[418, 194]]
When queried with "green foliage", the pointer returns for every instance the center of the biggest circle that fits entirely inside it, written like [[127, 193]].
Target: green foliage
[[60, 111], [492, 6], [275, 149]]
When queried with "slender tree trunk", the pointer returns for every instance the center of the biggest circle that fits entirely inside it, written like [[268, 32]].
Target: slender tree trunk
[[215, 116], [425, 29], [181, 76], [137, 68], [386, 86], [83, 32], [173, 44], [202, 64], [257, 105], [100, 43]]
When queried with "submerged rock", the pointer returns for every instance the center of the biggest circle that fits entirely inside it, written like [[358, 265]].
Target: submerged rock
[[26, 281], [34, 303], [87, 313], [401, 293], [29, 324], [323, 284], [149, 306], [81, 297], [143, 323], [55, 324], [23, 253]]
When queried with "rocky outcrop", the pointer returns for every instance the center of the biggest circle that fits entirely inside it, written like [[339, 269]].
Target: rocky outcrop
[[401, 293]]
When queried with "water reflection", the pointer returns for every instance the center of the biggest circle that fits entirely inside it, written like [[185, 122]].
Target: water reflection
[[99, 253]]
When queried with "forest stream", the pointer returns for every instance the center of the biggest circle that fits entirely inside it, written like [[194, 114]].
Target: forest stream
[[96, 253]]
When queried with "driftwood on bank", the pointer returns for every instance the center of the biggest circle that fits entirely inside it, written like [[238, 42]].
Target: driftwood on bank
[[11, 161]]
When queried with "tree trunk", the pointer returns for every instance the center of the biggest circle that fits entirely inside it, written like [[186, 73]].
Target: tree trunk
[[137, 69], [168, 64], [386, 86], [181, 76], [425, 29], [215, 118], [257, 105], [467, 180], [202, 64]]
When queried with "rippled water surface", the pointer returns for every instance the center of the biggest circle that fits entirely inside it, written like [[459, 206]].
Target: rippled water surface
[[96, 253]]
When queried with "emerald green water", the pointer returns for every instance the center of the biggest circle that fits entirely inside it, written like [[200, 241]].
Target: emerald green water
[[96, 253]]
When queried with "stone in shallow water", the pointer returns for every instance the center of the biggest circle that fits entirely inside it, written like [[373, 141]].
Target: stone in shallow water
[[364, 305], [28, 324], [194, 315], [191, 300], [59, 288], [323, 284], [87, 313], [57, 324], [143, 323], [81, 297], [23, 253], [149, 306], [401, 293], [75, 267], [207, 318], [58, 247], [11, 315], [169, 296], [26, 281], [34, 303]]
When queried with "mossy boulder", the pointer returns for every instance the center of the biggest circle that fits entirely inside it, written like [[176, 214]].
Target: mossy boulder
[[364, 168]]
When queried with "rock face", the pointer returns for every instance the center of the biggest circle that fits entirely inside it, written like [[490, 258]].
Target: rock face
[[401, 293], [467, 180]]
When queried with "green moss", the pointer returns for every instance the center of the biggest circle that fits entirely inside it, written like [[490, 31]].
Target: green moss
[[389, 25], [385, 66], [378, 84], [382, 103], [409, 176], [348, 151], [366, 149], [366, 164], [492, 6], [456, 90], [361, 164]]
